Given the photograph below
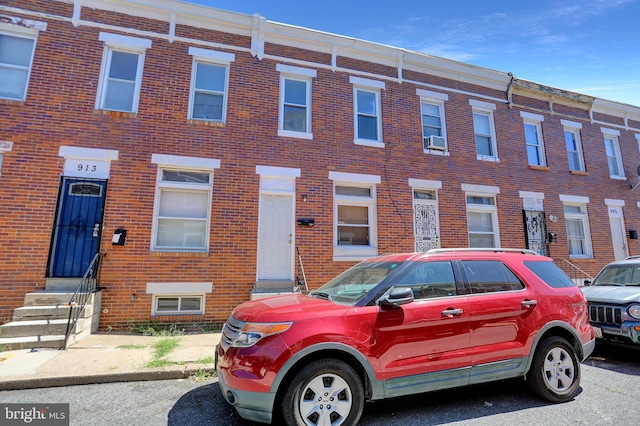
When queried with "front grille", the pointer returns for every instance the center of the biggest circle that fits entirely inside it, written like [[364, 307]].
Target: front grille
[[230, 331], [604, 314]]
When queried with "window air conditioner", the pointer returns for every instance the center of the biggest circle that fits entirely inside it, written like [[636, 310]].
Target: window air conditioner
[[435, 142]]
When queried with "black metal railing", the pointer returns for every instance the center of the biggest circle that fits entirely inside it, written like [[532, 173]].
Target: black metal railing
[[77, 303], [576, 274], [301, 279]]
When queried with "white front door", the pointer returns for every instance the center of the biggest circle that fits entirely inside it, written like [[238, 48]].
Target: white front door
[[619, 237], [275, 237]]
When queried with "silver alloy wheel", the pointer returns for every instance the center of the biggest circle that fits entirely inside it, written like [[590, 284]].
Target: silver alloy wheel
[[325, 401], [559, 370]]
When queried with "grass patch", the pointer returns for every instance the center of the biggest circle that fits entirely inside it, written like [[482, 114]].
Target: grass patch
[[156, 363], [157, 329], [165, 346], [207, 360], [202, 375], [132, 346]]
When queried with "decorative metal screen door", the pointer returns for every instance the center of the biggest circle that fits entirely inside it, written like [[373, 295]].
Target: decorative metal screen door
[[427, 230], [535, 231], [76, 234]]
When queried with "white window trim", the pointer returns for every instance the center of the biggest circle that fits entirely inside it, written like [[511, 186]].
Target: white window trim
[[355, 253], [24, 32], [535, 120], [375, 87], [120, 43], [5, 146], [575, 127], [486, 108], [614, 135], [483, 191], [305, 75], [173, 162], [637, 135], [584, 218], [209, 57], [437, 99]]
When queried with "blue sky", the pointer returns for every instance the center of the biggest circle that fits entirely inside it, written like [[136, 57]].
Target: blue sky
[[587, 46]]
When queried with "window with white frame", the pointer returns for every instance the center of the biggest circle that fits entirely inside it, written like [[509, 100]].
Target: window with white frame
[[484, 130], [16, 59], [355, 229], [578, 236], [482, 216], [183, 203], [367, 112], [612, 149], [434, 134], [533, 138], [295, 101], [573, 145], [209, 84], [121, 74], [178, 304]]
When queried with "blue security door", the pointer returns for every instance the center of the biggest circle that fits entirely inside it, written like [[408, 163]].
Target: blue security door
[[78, 227]]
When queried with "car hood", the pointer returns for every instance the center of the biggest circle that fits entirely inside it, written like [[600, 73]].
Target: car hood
[[291, 307], [612, 294]]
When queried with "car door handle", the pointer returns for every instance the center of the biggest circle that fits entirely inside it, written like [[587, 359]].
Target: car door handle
[[526, 304], [450, 312]]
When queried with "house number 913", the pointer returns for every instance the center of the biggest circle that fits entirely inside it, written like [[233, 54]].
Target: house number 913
[[87, 167]]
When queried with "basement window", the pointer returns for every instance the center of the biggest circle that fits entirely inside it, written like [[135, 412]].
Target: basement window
[[176, 305]]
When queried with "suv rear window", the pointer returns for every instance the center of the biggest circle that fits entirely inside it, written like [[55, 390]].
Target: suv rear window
[[550, 274], [489, 276]]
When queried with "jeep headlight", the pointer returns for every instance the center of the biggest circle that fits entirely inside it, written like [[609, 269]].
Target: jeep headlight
[[253, 332], [634, 311]]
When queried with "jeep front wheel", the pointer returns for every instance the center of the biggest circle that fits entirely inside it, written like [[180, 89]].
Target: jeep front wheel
[[326, 392], [555, 371]]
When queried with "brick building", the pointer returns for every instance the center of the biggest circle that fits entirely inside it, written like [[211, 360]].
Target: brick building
[[192, 148]]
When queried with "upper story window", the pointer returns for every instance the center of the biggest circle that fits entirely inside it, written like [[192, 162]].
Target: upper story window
[[295, 101], [5, 146], [434, 133], [182, 212], [121, 74], [573, 145], [367, 112], [209, 84], [482, 215], [17, 48], [484, 130], [614, 156], [533, 138], [577, 224], [355, 223]]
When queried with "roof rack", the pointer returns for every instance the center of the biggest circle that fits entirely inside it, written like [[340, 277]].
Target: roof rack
[[488, 249], [632, 257]]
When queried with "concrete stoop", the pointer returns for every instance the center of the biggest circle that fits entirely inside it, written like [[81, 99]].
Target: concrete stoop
[[268, 288], [42, 321]]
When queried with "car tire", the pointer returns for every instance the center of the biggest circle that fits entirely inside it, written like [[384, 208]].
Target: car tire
[[555, 372], [327, 391]]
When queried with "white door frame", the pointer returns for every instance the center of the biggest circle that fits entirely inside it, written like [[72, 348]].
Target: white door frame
[[276, 181], [618, 233]]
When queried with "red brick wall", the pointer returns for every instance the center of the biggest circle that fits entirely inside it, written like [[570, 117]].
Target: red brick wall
[[60, 111]]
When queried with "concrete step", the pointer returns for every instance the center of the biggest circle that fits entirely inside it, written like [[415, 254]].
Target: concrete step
[[27, 313], [35, 328], [29, 342], [50, 298]]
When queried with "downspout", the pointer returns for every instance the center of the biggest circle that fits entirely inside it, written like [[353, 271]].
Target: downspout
[[510, 91]]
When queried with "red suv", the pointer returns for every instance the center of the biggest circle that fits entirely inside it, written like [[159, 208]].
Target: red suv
[[404, 324]]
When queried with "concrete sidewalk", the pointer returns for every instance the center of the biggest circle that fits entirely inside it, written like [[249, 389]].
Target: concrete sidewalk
[[108, 357]]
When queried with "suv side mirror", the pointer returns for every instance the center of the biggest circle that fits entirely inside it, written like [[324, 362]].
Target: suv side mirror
[[587, 282], [396, 297]]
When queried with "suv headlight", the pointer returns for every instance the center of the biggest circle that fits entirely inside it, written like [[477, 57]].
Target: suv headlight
[[634, 311], [253, 332]]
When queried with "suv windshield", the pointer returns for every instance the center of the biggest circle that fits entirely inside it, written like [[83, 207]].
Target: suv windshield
[[619, 275], [353, 284]]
